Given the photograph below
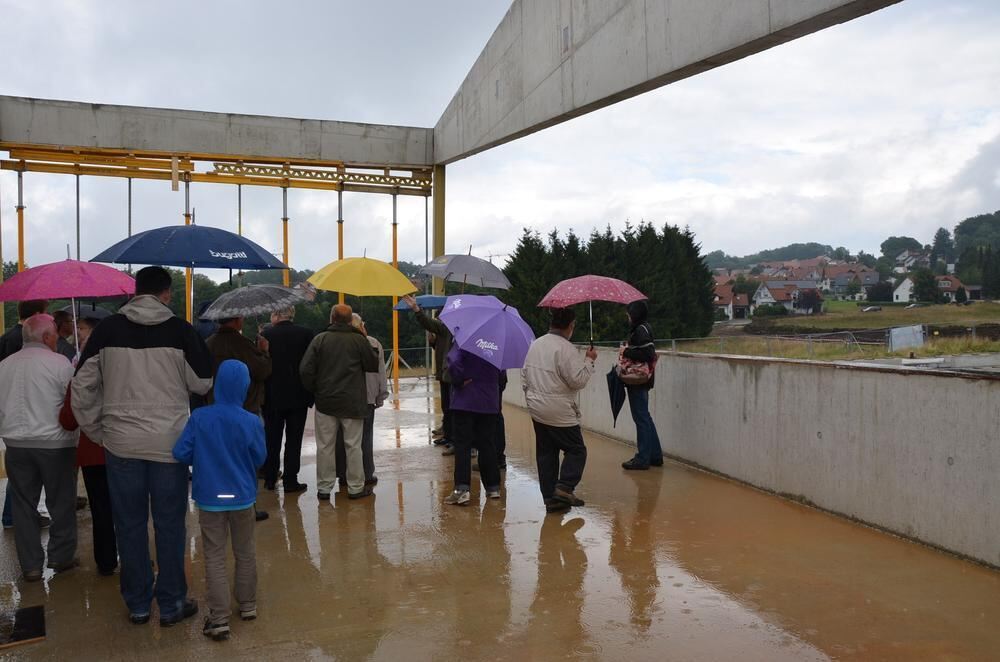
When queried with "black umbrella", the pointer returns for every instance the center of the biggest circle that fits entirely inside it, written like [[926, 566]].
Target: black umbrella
[[616, 392]]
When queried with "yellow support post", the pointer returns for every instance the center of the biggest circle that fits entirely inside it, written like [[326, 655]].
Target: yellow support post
[[438, 243], [395, 300], [286, 275], [188, 274], [20, 221], [340, 233], [3, 320]]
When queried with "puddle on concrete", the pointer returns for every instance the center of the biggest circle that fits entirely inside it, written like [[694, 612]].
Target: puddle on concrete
[[666, 564]]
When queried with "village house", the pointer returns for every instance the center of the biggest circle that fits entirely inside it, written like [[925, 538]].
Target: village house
[[734, 306], [908, 261], [786, 293], [947, 287]]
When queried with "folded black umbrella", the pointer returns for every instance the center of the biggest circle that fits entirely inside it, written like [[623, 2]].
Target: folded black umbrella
[[616, 392]]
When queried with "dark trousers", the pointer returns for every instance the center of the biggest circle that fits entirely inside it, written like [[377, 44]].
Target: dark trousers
[[8, 517], [549, 441], [138, 488], [474, 430], [500, 441], [647, 440], [367, 449], [446, 417], [29, 470], [95, 479], [290, 424]]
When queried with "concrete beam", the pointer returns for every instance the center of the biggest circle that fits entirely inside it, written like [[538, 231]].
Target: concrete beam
[[551, 60], [68, 123]]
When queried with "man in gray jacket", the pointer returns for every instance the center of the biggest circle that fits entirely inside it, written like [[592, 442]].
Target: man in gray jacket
[[554, 372], [131, 395], [40, 453]]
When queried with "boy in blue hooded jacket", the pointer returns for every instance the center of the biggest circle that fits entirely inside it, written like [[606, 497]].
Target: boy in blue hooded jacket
[[224, 444]]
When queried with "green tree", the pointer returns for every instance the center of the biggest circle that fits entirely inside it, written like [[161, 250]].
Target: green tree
[[867, 259], [893, 246], [841, 254], [881, 292], [744, 285], [925, 287], [884, 266], [943, 248], [960, 295], [976, 231], [853, 288]]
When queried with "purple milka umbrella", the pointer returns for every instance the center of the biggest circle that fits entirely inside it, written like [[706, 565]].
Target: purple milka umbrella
[[488, 328]]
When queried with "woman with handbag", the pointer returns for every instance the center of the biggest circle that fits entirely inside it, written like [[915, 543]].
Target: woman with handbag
[[637, 369]]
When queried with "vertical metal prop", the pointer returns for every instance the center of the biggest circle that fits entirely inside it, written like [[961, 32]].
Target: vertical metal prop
[[395, 300], [340, 232], [239, 226], [130, 214], [20, 220], [427, 287], [3, 321], [78, 217], [188, 274], [286, 276]]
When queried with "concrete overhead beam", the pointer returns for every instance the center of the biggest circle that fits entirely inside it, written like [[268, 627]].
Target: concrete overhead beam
[[68, 123], [551, 60]]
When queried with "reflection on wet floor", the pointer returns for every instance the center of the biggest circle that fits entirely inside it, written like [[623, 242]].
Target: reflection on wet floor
[[667, 564]]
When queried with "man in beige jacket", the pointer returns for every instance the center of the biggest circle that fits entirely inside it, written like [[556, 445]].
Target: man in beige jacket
[[554, 372]]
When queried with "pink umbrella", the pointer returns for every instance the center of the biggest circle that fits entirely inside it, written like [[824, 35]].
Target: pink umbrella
[[68, 279], [590, 288]]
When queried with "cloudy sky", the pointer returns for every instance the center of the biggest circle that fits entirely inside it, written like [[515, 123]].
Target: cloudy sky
[[887, 125]]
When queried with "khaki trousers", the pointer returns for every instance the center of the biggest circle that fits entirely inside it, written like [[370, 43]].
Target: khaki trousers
[[326, 452], [216, 528]]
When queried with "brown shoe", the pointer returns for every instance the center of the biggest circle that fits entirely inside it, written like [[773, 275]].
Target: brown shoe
[[63, 567], [366, 492], [566, 497], [32, 575]]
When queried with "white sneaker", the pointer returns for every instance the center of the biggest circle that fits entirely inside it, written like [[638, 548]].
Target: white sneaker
[[493, 494], [458, 498]]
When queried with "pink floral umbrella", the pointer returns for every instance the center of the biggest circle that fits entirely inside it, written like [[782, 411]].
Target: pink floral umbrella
[[68, 279], [590, 288]]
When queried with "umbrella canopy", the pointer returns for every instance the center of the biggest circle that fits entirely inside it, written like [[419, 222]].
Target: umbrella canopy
[[590, 288], [363, 277], [193, 246], [616, 392], [252, 300], [66, 280], [466, 269], [425, 301], [488, 328], [88, 311]]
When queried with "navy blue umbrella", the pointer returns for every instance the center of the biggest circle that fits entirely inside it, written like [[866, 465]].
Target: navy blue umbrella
[[425, 301], [194, 246]]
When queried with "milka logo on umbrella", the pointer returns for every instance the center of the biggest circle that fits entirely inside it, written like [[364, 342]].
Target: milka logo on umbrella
[[238, 255], [456, 304], [487, 347]]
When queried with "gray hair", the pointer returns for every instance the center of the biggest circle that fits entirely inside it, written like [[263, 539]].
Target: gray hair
[[285, 313], [356, 321], [35, 327]]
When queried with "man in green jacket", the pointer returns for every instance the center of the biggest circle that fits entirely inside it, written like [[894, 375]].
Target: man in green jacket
[[333, 370]]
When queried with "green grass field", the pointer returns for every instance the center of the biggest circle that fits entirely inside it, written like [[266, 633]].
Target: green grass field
[[847, 315], [833, 350]]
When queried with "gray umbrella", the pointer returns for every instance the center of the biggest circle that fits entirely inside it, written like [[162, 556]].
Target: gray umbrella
[[467, 269], [253, 300]]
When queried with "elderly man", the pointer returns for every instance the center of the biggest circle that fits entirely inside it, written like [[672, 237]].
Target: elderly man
[[131, 395], [40, 454], [286, 401], [333, 370], [230, 343], [553, 373]]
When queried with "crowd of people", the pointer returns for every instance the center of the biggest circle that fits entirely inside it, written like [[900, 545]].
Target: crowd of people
[[154, 412]]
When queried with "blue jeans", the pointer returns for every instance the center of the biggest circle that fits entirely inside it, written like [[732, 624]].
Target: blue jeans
[[647, 440], [8, 518], [139, 487]]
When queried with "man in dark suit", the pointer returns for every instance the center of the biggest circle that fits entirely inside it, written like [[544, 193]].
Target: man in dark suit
[[286, 401]]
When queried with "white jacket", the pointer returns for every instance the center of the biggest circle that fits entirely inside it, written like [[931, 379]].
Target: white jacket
[[33, 385], [554, 371], [375, 382]]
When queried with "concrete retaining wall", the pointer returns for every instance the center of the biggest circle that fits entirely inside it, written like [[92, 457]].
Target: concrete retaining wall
[[912, 452]]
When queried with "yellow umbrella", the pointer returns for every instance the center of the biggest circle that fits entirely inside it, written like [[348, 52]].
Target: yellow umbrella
[[362, 277]]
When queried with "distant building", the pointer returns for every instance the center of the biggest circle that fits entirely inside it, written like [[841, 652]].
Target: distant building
[[947, 286], [785, 293], [734, 306], [904, 291]]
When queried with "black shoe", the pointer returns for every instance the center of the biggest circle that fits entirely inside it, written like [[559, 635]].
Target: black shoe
[[440, 441], [261, 515], [189, 609], [63, 567], [32, 575], [449, 449], [291, 488], [632, 465], [81, 502], [556, 506], [106, 572], [566, 497], [323, 496], [215, 631], [371, 481], [268, 485], [366, 492], [656, 463], [138, 619]]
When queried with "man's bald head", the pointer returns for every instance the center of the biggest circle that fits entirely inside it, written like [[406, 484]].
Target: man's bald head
[[341, 314]]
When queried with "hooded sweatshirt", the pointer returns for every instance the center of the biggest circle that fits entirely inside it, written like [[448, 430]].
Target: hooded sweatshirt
[[224, 444], [131, 389]]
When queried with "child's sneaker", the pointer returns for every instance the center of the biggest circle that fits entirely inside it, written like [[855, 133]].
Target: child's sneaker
[[248, 614], [458, 498], [216, 631]]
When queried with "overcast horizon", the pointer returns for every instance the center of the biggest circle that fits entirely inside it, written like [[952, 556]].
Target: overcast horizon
[[886, 125]]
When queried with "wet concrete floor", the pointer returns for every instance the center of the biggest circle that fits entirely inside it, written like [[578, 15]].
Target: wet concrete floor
[[669, 564]]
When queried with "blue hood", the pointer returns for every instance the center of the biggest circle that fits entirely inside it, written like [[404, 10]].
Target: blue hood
[[232, 383]]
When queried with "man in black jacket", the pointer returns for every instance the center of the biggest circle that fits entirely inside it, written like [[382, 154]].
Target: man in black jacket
[[286, 401]]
